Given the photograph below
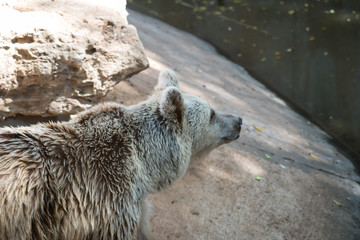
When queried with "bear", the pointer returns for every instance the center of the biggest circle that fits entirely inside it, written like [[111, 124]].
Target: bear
[[89, 177]]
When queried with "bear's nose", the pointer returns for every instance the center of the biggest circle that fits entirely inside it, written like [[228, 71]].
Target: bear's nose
[[240, 121]]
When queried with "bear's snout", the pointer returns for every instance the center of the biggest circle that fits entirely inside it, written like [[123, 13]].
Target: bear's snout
[[237, 122], [233, 127], [240, 121], [238, 126]]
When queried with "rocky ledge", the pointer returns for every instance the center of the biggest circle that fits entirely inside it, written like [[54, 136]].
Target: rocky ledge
[[61, 57]]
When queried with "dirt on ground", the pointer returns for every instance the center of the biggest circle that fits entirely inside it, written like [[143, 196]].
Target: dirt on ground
[[283, 179]]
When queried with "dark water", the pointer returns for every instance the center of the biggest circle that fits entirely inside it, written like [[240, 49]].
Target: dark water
[[307, 51]]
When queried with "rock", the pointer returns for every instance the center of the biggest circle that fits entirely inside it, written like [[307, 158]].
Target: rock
[[61, 57]]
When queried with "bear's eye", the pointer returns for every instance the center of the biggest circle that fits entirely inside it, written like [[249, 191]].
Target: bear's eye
[[212, 115]]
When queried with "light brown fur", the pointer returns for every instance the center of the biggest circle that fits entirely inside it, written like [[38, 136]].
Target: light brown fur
[[89, 178]]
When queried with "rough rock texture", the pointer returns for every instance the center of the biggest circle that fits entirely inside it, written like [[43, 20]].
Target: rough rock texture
[[60, 57]]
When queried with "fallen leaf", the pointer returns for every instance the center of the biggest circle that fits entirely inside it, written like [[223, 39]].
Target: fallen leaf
[[337, 203], [263, 59], [312, 38], [313, 156], [258, 178], [291, 12], [267, 156], [257, 128]]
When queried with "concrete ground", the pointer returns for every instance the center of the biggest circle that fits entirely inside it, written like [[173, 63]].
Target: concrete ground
[[282, 179]]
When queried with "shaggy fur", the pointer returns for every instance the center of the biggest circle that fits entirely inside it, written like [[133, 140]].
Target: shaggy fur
[[89, 178]]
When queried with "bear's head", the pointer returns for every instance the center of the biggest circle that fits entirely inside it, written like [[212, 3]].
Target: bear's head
[[206, 127]]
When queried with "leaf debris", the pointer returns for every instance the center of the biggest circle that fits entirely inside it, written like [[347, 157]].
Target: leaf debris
[[337, 203]]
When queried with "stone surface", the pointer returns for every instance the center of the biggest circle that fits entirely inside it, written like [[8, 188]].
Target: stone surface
[[60, 57]]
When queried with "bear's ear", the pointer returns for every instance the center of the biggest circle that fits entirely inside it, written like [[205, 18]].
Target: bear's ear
[[167, 78], [172, 106]]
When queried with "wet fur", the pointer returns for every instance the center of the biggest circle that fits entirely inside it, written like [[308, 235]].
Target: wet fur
[[89, 178]]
